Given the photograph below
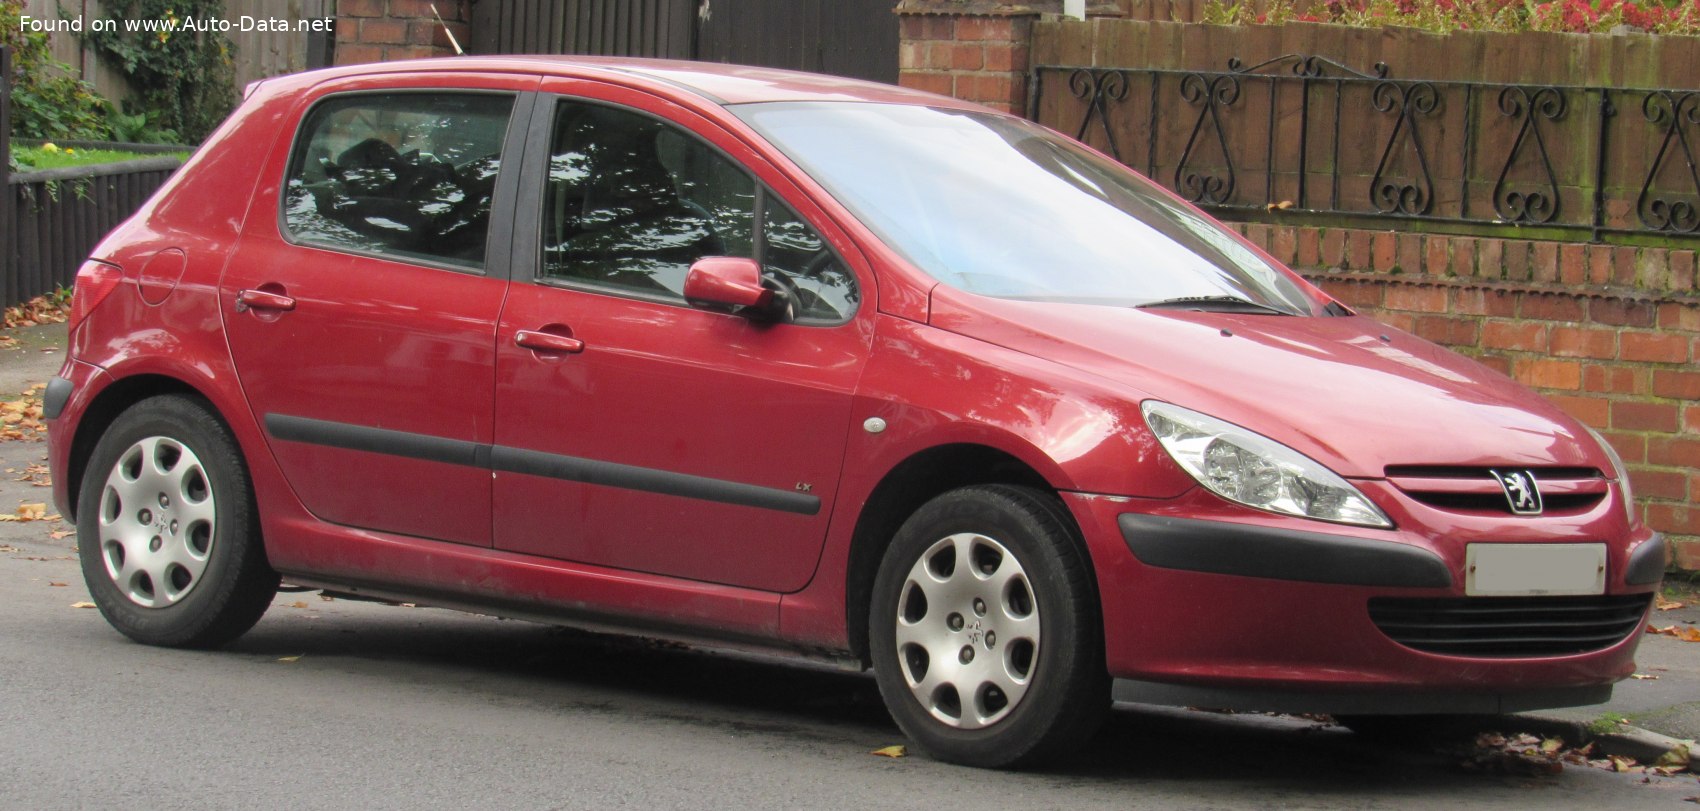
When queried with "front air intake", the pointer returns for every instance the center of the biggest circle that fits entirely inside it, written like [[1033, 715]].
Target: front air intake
[[1505, 627]]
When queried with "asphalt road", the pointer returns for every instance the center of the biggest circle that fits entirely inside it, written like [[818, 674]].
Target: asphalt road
[[343, 704]]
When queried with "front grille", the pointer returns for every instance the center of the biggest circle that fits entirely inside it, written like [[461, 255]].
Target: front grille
[[1501, 627], [1475, 490]]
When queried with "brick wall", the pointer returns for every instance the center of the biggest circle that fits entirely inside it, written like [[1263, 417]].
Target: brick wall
[[388, 30], [1609, 334]]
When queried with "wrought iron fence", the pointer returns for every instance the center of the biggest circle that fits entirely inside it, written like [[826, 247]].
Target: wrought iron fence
[[1308, 135]]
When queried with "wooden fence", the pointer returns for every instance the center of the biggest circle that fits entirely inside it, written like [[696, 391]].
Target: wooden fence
[[51, 219]]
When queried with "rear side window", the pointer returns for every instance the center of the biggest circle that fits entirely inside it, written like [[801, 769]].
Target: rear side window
[[404, 174]]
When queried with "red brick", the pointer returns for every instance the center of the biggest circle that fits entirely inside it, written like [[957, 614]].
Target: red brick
[[424, 32], [939, 83], [1516, 260], [967, 56], [1594, 411], [1358, 295], [1685, 317], [1333, 247], [1599, 264], [1309, 249], [1654, 347], [1385, 246], [970, 29], [1006, 57], [1679, 519], [1543, 261], [937, 55], [1623, 312], [1632, 447], [1677, 385], [349, 53], [394, 52], [383, 32], [1652, 268], [1400, 321], [1480, 301], [1490, 262], [1623, 266], [1669, 451], [1522, 336], [1549, 374], [1360, 249], [1682, 271], [1283, 243], [1573, 263], [1629, 415], [1437, 255], [1463, 257], [422, 8], [1613, 380], [1258, 234], [936, 27], [1410, 259], [1686, 554], [440, 35], [1422, 299], [1578, 342], [1448, 330], [1691, 419], [360, 8], [1666, 485], [347, 29], [1498, 363]]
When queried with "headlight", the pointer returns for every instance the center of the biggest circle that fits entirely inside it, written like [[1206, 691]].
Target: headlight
[[1256, 471], [1622, 474]]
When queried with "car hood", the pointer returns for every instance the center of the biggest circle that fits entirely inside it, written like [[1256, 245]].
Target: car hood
[[1349, 392]]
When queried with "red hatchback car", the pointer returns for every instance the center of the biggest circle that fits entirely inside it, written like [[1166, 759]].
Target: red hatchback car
[[792, 363]]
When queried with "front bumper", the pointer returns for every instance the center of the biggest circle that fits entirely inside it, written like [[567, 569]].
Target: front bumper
[[1210, 604]]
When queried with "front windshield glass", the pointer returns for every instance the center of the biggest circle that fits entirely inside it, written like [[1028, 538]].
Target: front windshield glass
[[1001, 207]]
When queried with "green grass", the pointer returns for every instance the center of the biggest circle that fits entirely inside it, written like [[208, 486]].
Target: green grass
[[40, 157]]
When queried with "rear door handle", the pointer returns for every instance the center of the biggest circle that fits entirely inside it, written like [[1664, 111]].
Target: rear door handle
[[546, 342], [262, 300]]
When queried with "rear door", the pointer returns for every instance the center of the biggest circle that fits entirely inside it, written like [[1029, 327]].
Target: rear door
[[640, 433], [362, 300]]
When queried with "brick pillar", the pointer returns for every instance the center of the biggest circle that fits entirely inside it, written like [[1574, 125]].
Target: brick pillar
[[975, 50], [387, 30]]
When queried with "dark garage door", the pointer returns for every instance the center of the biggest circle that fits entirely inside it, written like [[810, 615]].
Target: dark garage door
[[856, 38]]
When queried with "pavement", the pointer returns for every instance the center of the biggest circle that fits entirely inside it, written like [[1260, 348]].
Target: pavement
[[1656, 711]]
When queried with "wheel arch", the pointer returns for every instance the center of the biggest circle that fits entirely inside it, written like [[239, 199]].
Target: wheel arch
[[914, 481], [110, 402]]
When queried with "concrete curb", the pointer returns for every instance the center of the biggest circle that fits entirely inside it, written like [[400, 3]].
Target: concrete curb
[[1626, 741]]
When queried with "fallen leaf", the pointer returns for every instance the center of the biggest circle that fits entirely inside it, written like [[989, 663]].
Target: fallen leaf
[[896, 751], [1620, 763], [82, 605], [8, 549], [56, 585], [1676, 758], [1668, 605], [61, 533], [1551, 745], [1643, 677], [295, 658], [298, 604], [32, 512], [327, 598]]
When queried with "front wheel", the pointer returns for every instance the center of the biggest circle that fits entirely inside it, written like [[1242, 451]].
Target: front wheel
[[167, 531], [984, 630]]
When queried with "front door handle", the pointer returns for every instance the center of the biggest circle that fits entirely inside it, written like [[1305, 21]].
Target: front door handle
[[262, 300], [546, 342]]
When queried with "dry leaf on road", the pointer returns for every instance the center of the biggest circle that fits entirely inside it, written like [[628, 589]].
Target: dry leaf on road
[[82, 605], [1667, 605], [295, 658], [892, 751]]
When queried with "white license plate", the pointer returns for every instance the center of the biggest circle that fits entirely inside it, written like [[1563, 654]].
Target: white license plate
[[1529, 569]]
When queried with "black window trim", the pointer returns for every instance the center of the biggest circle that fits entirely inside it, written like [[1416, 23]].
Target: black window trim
[[497, 255], [533, 179]]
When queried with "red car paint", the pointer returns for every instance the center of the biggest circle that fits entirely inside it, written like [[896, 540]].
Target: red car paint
[[1057, 388]]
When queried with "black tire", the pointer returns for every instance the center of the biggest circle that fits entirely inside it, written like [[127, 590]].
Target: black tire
[[1066, 691], [202, 579]]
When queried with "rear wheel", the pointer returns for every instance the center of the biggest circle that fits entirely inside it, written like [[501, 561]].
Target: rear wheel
[[166, 528], [984, 630]]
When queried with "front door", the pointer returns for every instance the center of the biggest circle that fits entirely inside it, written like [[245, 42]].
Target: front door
[[634, 431]]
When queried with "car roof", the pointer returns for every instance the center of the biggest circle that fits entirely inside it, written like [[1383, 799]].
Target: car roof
[[715, 82]]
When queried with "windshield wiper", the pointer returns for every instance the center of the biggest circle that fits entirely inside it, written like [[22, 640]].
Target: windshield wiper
[[1212, 304]]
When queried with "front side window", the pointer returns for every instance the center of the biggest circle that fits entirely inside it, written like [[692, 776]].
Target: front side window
[[632, 202], [404, 174]]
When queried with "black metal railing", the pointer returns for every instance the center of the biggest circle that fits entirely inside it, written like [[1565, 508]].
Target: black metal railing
[[1308, 135]]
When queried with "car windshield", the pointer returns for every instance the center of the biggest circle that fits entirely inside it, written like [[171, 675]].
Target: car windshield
[[1000, 207]]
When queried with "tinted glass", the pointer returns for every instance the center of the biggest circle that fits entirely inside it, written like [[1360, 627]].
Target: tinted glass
[[1002, 207], [409, 174], [633, 202]]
